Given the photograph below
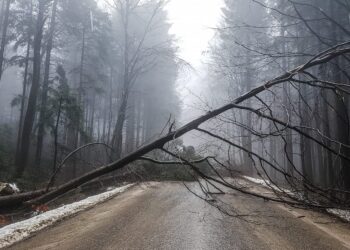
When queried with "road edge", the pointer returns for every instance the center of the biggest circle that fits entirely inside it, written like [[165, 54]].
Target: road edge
[[19, 231]]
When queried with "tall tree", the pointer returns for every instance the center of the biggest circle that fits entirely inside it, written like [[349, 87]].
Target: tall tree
[[22, 160], [137, 55], [45, 86], [3, 44]]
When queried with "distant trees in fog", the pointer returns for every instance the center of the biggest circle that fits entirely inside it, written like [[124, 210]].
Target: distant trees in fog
[[109, 72]]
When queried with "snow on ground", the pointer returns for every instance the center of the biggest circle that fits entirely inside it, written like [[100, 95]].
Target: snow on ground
[[14, 187], [343, 214], [23, 229], [257, 181]]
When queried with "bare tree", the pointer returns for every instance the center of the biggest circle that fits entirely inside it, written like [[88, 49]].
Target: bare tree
[[137, 59]]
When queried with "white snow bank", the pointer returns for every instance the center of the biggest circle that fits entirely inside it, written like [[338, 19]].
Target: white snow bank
[[14, 187], [268, 184], [258, 181], [343, 214], [23, 229]]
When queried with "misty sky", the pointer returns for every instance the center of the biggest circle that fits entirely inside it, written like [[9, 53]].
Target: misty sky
[[193, 21]]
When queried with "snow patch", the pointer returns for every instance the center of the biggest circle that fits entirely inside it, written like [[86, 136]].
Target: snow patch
[[23, 229], [268, 184], [343, 214], [258, 181], [14, 187]]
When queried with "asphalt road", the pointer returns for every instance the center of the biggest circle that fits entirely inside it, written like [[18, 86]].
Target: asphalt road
[[168, 216]]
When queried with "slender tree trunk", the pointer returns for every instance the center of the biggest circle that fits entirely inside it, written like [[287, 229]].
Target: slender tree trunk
[[306, 154], [327, 156], [130, 128], [80, 124], [21, 162], [110, 115], [105, 118], [273, 151], [56, 136], [288, 112], [138, 122], [117, 141], [4, 35], [92, 115], [44, 93], [2, 9], [25, 82], [80, 88], [318, 149], [247, 136], [23, 101]]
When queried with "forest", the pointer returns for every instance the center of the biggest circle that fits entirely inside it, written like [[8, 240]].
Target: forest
[[89, 88], [74, 73]]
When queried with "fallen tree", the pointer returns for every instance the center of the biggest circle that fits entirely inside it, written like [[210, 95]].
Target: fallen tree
[[45, 195], [18, 199], [319, 59]]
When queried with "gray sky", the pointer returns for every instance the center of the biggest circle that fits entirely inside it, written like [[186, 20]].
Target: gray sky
[[193, 21]]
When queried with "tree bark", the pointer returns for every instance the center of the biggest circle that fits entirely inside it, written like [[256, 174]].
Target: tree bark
[[4, 35], [24, 87], [44, 93], [21, 161], [56, 135], [130, 127], [117, 140]]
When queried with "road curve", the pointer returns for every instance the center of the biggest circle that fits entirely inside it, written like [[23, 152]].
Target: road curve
[[167, 216]]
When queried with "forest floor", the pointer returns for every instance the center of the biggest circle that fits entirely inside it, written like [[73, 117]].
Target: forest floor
[[167, 216]]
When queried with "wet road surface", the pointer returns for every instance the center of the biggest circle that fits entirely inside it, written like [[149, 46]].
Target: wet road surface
[[167, 216]]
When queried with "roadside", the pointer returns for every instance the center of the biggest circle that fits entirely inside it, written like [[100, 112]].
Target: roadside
[[339, 213], [23, 229], [331, 223]]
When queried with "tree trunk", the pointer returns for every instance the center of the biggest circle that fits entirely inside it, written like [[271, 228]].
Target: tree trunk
[[21, 161], [81, 88], [288, 112], [247, 136], [2, 9], [138, 122], [110, 113], [130, 127], [305, 144], [92, 115], [56, 136], [24, 87], [117, 141], [327, 156], [4, 35], [44, 93]]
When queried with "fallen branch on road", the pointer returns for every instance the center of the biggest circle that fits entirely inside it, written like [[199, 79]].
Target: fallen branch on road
[[319, 59]]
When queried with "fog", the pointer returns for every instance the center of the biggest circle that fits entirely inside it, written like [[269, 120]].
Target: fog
[[115, 81]]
